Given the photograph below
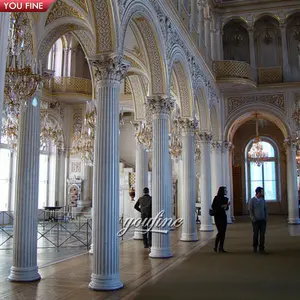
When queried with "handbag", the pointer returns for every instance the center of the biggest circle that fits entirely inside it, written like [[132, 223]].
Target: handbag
[[212, 212]]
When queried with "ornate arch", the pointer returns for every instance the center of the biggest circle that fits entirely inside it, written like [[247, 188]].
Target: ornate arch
[[244, 114], [147, 23], [239, 18], [179, 64], [202, 110], [77, 27], [272, 16], [215, 123], [291, 14]]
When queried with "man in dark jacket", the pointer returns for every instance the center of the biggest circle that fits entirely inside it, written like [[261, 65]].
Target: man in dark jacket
[[144, 206], [258, 214]]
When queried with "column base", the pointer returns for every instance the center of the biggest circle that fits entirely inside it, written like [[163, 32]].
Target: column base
[[137, 235], [160, 253], [24, 274], [189, 237], [91, 249], [206, 227], [294, 221], [105, 283]]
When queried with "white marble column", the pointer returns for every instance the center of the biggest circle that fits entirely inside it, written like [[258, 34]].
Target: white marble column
[[216, 163], [66, 61], [189, 232], [208, 35], [205, 181], [60, 180], [4, 25], [227, 176], [108, 71], [285, 56], [292, 190], [24, 266], [252, 49], [201, 25], [161, 197], [141, 179]]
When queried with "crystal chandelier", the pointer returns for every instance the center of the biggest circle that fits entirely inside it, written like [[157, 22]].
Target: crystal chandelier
[[23, 74], [21, 78], [257, 154], [51, 132], [175, 143], [83, 140], [144, 135]]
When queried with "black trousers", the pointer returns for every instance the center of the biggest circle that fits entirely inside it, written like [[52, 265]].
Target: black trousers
[[147, 237], [259, 229], [221, 224]]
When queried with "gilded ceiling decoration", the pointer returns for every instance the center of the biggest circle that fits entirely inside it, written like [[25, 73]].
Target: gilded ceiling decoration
[[60, 10], [82, 3]]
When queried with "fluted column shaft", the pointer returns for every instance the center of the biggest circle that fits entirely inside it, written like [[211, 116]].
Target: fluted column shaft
[[189, 232], [161, 196], [108, 73], [141, 179], [292, 190], [252, 49], [285, 56], [208, 36], [86, 201], [4, 25], [227, 176], [205, 182], [216, 163], [24, 266], [201, 21]]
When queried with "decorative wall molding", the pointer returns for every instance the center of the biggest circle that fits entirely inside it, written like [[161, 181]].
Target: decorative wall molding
[[233, 103]]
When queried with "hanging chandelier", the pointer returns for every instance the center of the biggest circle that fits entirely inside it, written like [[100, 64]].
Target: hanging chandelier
[[23, 73], [83, 140], [175, 142], [257, 154], [51, 132]]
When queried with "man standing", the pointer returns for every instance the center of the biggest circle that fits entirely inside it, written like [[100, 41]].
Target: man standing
[[258, 214], [144, 206]]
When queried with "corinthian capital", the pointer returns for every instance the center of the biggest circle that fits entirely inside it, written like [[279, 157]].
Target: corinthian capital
[[159, 105], [109, 67], [204, 137], [216, 145], [290, 142], [188, 126], [227, 146]]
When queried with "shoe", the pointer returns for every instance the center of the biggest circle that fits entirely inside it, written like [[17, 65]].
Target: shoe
[[223, 251], [255, 250], [215, 249], [263, 252], [146, 246]]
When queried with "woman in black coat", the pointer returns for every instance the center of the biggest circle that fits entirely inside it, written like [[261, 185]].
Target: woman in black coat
[[220, 205]]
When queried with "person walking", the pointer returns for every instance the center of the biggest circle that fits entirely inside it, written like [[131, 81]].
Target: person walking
[[220, 205], [258, 214], [144, 206]]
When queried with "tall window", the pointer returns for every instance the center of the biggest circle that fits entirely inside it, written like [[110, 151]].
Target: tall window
[[5, 162], [43, 182], [55, 58], [265, 175]]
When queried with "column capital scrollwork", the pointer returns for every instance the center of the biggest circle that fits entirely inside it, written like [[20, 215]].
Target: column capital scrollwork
[[290, 142], [204, 137], [217, 145], [109, 68], [160, 105], [188, 126], [227, 146]]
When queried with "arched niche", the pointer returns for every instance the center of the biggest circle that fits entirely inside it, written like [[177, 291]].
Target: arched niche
[[267, 40], [293, 44], [236, 41]]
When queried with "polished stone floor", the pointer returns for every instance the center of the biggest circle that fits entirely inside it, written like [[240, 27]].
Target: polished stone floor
[[69, 279]]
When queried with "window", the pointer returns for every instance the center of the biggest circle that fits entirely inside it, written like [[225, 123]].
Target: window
[[5, 162], [43, 180], [264, 175]]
